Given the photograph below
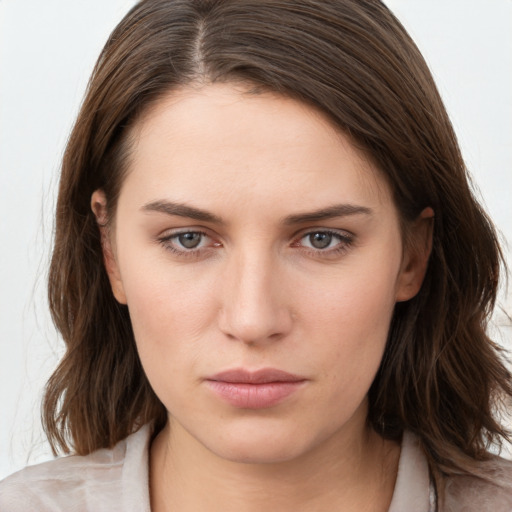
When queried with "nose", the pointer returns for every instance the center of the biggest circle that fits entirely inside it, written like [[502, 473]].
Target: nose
[[255, 305]]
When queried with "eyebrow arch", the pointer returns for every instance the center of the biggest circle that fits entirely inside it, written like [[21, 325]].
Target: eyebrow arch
[[337, 210], [182, 210], [191, 212]]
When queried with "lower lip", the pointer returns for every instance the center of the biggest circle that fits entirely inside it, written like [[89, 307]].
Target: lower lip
[[254, 396]]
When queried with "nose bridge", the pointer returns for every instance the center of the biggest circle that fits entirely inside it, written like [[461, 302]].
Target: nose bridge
[[253, 307]]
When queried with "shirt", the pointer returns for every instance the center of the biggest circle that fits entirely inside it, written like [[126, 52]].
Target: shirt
[[117, 479]]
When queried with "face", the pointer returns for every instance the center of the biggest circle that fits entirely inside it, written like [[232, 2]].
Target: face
[[260, 257]]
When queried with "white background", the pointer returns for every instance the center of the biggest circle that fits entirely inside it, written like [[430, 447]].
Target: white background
[[47, 51]]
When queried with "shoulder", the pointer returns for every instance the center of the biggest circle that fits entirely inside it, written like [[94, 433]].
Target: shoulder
[[96, 482], [468, 493]]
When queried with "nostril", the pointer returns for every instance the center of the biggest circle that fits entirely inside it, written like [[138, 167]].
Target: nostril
[[256, 328]]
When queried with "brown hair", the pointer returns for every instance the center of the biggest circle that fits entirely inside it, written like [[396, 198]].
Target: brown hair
[[441, 376]]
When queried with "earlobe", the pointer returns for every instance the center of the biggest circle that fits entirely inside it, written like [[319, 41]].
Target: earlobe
[[416, 256], [99, 208]]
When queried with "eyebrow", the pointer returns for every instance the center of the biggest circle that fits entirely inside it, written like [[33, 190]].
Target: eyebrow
[[182, 210], [337, 210], [191, 212]]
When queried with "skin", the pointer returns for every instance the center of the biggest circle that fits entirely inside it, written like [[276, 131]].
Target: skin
[[257, 292]]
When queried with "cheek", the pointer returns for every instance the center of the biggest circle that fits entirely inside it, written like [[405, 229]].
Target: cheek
[[169, 315], [348, 323], [355, 302]]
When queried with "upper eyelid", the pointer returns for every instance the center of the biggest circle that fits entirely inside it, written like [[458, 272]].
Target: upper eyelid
[[340, 232], [299, 234], [172, 232], [167, 236]]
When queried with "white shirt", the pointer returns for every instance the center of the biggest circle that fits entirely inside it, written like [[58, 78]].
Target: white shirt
[[118, 480]]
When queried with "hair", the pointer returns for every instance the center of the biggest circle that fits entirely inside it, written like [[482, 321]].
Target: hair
[[441, 376]]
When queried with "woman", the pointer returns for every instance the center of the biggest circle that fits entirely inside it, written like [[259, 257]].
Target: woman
[[270, 274]]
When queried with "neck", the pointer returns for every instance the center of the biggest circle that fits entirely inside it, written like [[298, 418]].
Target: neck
[[351, 471]]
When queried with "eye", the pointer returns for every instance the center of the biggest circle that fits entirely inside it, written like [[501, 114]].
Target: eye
[[187, 243], [327, 241]]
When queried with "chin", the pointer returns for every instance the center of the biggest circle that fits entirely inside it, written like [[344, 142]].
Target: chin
[[263, 445], [257, 453]]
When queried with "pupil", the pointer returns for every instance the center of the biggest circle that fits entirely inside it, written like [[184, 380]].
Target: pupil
[[320, 240], [189, 240]]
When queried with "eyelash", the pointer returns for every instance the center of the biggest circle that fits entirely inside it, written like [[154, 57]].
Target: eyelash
[[192, 253], [346, 240]]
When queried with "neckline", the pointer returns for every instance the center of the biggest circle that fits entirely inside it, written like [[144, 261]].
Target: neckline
[[413, 487]]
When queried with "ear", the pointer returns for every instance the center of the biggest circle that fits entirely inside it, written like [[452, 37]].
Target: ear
[[416, 254], [99, 208]]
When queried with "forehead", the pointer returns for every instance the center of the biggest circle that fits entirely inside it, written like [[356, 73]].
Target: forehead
[[218, 140]]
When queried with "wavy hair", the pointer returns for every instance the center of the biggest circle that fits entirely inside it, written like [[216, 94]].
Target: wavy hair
[[441, 376]]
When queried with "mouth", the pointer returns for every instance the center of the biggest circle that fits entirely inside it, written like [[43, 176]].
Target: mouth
[[259, 389]]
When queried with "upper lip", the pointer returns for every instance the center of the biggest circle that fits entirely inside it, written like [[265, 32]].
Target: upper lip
[[263, 376]]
